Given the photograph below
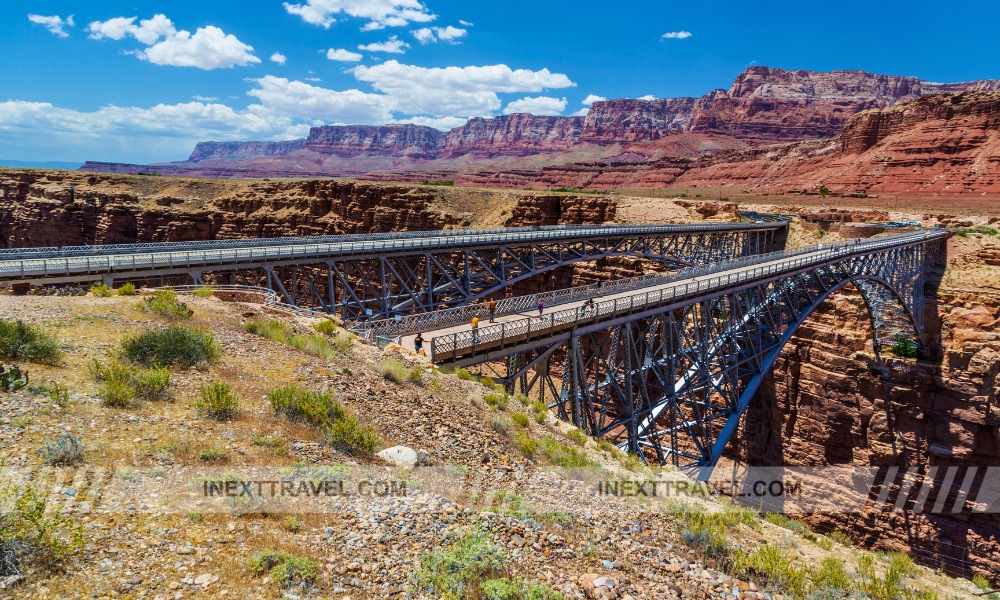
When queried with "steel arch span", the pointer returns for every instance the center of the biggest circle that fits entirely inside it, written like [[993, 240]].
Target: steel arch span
[[671, 381]]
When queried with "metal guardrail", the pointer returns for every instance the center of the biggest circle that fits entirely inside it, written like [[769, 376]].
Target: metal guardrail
[[110, 263], [270, 297], [509, 332], [427, 321]]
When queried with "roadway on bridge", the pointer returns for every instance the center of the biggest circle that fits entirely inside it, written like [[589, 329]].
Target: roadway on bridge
[[517, 327], [88, 263]]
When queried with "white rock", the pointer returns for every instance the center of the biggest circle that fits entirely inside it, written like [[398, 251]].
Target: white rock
[[400, 455]]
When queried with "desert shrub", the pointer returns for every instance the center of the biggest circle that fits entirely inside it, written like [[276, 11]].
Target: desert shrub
[[173, 346], [884, 586], [517, 589], [710, 532], [774, 562], [456, 572], [578, 437], [841, 538], [496, 401], [217, 401], [33, 539], [21, 341], [100, 290], [121, 384], [305, 406], [65, 451], [326, 327], [526, 444], [166, 304], [267, 441], [212, 455], [285, 568], [313, 344], [787, 522], [464, 375], [58, 394], [832, 575], [519, 419], [203, 291], [562, 455], [393, 370], [350, 434], [417, 375], [127, 289], [320, 409], [291, 523], [500, 426]]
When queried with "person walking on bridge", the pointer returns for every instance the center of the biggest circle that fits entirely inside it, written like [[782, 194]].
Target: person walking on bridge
[[492, 306], [541, 308], [475, 329], [418, 344]]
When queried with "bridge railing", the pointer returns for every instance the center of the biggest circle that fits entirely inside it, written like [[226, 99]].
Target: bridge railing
[[511, 332], [55, 266], [426, 321]]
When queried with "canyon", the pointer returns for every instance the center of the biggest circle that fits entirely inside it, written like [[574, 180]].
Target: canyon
[[770, 129], [829, 399]]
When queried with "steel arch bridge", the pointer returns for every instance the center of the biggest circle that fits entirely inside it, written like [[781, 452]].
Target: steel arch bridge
[[383, 275], [667, 374]]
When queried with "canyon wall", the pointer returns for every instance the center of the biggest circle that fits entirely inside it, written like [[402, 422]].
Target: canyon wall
[[828, 401], [763, 106]]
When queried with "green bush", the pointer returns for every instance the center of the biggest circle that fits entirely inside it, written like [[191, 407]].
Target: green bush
[[517, 589], [464, 375], [121, 384], [417, 375], [350, 434], [456, 572], [832, 575], [775, 563], [519, 419], [65, 451], [496, 401], [203, 291], [320, 409], [326, 327], [173, 346], [33, 539], [526, 444], [313, 344], [21, 341], [285, 568], [127, 289], [166, 304], [268, 441], [212, 455], [217, 401], [562, 455], [305, 406], [58, 394], [100, 290], [393, 370], [578, 437]]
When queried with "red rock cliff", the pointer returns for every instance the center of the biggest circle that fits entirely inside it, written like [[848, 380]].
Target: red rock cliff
[[415, 141], [513, 135], [242, 150]]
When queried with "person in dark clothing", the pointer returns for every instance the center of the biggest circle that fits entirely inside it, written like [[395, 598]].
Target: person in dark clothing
[[418, 343]]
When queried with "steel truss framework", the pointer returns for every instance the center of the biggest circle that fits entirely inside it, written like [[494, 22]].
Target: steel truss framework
[[672, 385], [385, 285]]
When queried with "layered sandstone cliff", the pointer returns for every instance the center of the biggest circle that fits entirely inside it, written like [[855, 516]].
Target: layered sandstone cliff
[[763, 106]]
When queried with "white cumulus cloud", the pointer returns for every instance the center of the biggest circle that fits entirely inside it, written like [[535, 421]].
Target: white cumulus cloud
[[450, 33], [208, 48], [378, 14], [279, 58], [55, 24], [538, 105], [465, 23], [342, 55], [393, 45], [591, 98], [676, 35], [647, 97], [442, 123], [302, 100], [453, 91]]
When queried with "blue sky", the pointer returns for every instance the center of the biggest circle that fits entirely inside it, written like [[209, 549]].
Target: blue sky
[[143, 81]]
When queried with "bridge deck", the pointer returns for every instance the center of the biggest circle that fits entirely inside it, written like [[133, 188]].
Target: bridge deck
[[458, 343], [87, 262]]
